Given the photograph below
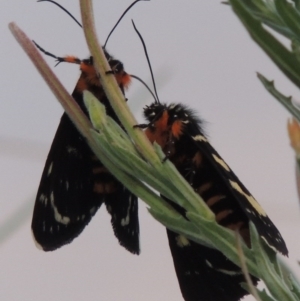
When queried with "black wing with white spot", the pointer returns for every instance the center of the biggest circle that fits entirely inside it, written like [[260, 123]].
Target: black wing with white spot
[[73, 186], [204, 273], [240, 194]]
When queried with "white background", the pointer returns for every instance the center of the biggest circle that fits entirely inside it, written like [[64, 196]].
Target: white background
[[205, 59]]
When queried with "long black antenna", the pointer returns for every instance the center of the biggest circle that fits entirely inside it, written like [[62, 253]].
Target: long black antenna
[[58, 59], [127, 9], [148, 60], [65, 10], [139, 79]]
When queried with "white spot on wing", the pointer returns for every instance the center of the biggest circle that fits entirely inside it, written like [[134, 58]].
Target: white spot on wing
[[208, 263], [43, 199], [230, 273], [58, 217], [93, 210], [72, 150], [125, 221], [50, 169]]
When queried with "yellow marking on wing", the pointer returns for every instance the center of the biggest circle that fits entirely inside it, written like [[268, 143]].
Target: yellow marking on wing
[[200, 138], [182, 241], [221, 162], [250, 198]]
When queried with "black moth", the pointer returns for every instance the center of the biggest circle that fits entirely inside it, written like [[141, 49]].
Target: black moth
[[75, 183], [204, 273]]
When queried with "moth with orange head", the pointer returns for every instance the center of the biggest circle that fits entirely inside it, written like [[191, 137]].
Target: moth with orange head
[[205, 273], [74, 182]]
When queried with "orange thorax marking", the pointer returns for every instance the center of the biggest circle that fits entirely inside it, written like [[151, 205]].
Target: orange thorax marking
[[89, 78], [162, 132], [123, 79], [177, 128], [159, 133]]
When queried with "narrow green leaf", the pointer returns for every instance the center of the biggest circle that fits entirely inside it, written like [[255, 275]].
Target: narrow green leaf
[[118, 148], [264, 295], [182, 226], [286, 101], [289, 278], [289, 15], [137, 187], [278, 289], [191, 200], [295, 45], [266, 12], [281, 56], [224, 240], [297, 4]]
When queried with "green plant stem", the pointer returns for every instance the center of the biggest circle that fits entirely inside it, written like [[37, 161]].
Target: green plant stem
[[111, 87], [70, 106]]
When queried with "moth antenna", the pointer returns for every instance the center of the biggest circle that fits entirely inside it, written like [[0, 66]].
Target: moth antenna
[[58, 59], [148, 60], [65, 10], [127, 9], [44, 51], [139, 79]]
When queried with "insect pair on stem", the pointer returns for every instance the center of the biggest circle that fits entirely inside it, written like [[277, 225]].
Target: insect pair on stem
[[75, 183]]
